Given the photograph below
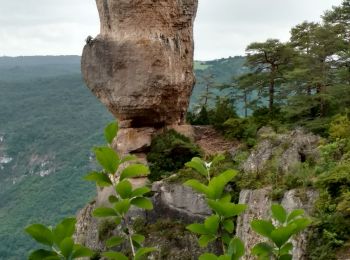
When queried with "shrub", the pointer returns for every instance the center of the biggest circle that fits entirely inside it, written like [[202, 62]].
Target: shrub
[[223, 111], [340, 127], [242, 129], [169, 152]]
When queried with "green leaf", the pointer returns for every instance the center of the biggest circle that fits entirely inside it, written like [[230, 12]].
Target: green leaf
[[286, 248], [300, 224], [281, 235], [138, 239], [226, 198], [286, 257], [64, 229], [228, 225], [279, 213], [225, 257], [212, 223], [117, 220], [128, 158], [262, 227], [41, 254], [134, 170], [294, 214], [114, 241], [81, 251], [124, 189], [101, 179], [104, 212], [236, 248], [198, 165], [107, 158], [199, 187], [144, 251], [115, 256], [122, 206], [198, 229], [226, 209], [262, 249], [217, 184], [111, 131], [204, 240], [66, 246], [140, 191], [142, 203], [40, 233], [208, 256], [113, 199]]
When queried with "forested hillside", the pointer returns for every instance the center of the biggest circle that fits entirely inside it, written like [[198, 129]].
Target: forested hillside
[[49, 123]]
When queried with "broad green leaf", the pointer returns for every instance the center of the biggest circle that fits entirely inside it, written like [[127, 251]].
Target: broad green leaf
[[134, 170], [104, 212], [286, 248], [124, 189], [64, 229], [122, 206], [199, 187], [228, 225], [212, 223], [41, 254], [236, 248], [294, 214], [111, 132], [142, 203], [197, 166], [81, 251], [300, 224], [225, 257], [204, 240], [140, 191], [117, 220], [101, 179], [40, 233], [226, 209], [115, 256], [262, 249], [107, 158], [286, 257], [198, 229], [217, 184], [279, 213], [114, 241], [208, 256], [138, 239], [226, 198], [128, 158], [281, 235], [262, 227], [113, 199], [66, 246], [144, 251]]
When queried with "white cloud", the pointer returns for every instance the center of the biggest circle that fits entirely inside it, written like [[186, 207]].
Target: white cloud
[[223, 27]]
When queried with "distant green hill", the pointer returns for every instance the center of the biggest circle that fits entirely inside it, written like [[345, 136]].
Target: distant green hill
[[49, 121]]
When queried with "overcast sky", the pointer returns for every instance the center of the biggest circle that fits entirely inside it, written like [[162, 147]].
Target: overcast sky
[[223, 27]]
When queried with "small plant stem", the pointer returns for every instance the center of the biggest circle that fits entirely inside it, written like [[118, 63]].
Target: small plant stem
[[129, 236]]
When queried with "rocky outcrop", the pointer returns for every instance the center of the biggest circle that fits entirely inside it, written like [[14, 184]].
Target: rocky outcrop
[[173, 203], [300, 199], [141, 64], [259, 203], [286, 150], [177, 201]]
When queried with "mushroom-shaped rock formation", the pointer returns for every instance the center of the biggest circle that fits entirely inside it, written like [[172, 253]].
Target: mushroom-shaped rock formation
[[141, 64]]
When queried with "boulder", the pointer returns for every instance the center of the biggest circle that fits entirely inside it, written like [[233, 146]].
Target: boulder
[[141, 64]]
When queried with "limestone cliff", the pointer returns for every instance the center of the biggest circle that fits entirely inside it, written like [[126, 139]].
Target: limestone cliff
[[141, 64]]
